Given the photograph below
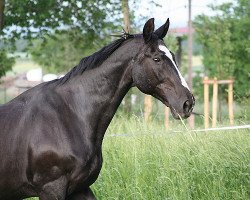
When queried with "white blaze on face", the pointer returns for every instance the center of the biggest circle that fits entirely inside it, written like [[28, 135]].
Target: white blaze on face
[[169, 55]]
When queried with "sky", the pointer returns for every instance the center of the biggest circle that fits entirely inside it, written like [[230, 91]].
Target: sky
[[176, 10]]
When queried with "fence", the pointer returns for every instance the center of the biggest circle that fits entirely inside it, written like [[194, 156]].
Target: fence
[[215, 84], [206, 82]]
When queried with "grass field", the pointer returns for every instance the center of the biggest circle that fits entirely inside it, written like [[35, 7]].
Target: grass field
[[152, 164]]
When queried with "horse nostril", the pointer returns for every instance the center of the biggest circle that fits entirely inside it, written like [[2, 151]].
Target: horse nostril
[[187, 106]]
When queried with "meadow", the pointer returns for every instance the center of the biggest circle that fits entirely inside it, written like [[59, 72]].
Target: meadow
[[144, 161]]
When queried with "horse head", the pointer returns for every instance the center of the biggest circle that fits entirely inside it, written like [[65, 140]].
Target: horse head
[[155, 72]]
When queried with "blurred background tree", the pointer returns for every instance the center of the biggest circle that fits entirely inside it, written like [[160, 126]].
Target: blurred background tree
[[59, 32], [5, 63], [60, 52], [226, 45], [36, 18]]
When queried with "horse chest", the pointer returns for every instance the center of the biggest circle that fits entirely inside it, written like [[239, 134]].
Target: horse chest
[[85, 173]]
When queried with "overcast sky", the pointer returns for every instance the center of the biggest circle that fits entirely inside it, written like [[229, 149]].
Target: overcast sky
[[176, 10]]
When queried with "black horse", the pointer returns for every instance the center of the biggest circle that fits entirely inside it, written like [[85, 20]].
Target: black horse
[[51, 135]]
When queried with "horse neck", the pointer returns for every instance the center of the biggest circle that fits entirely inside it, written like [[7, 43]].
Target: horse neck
[[98, 92]]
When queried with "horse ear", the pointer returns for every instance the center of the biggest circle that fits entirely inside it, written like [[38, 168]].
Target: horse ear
[[162, 31], [148, 29]]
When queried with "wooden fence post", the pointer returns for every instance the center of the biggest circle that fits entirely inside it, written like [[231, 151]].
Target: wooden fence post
[[230, 102], [215, 102], [206, 102], [167, 111], [191, 121], [5, 94], [147, 107]]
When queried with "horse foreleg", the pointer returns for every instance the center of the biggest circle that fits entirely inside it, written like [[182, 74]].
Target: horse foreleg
[[55, 190], [86, 194]]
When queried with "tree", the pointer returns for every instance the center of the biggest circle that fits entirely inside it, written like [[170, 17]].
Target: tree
[[55, 23], [241, 45], [215, 36], [2, 5], [61, 52], [225, 41], [126, 19], [34, 18], [5, 63]]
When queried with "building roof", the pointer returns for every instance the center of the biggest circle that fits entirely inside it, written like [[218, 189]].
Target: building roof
[[179, 31]]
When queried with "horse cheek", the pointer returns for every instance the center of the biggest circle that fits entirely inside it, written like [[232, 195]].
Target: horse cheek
[[139, 78]]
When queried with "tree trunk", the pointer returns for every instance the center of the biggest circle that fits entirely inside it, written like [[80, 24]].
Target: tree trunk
[[190, 56], [2, 5], [179, 52], [125, 10]]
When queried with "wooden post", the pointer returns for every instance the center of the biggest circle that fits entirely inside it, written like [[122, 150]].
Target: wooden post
[[191, 121], [2, 6], [167, 111], [125, 11], [215, 83], [147, 107], [215, 103], [206, 102], [230, 102], [190, 56], [5, 95]]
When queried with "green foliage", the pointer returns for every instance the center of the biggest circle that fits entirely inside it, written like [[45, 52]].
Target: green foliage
[[215, 35], [62, 52], [171, 42], [65, 31], [226, 44], [5, 63], [34, 18]]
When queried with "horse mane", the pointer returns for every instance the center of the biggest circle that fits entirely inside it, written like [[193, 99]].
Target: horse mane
[[96, 59]]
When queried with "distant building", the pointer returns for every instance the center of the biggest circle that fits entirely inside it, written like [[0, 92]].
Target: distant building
[[179, 32]]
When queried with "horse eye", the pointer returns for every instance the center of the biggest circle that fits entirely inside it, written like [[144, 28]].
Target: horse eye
[[157, 59]]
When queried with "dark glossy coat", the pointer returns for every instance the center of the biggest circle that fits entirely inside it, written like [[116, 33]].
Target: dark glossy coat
[[51, 135]]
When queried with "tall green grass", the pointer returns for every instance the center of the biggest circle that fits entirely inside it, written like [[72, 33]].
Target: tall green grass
[[146, 162], [214, 165]]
